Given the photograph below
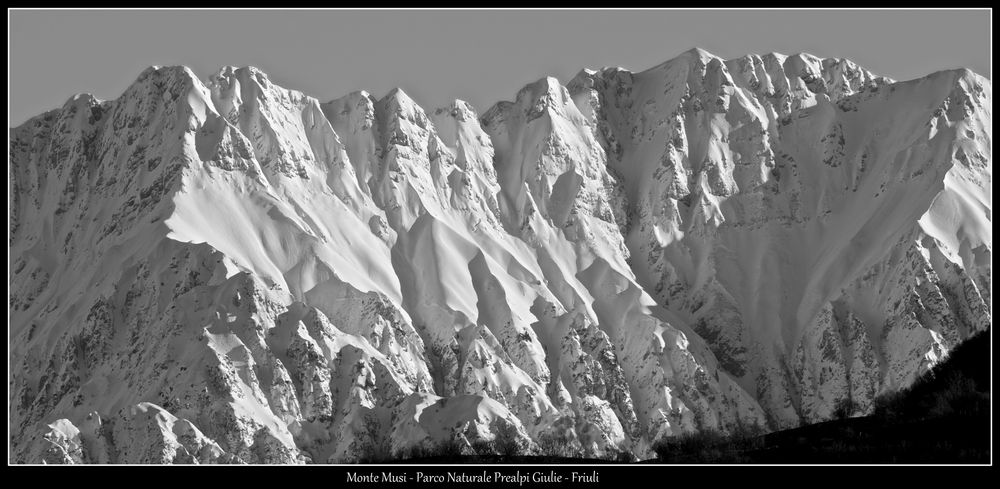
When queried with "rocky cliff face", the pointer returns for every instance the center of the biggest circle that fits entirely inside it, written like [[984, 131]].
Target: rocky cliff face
[[228, 271], [797, 214]]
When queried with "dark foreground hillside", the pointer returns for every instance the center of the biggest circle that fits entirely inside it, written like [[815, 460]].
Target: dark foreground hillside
[[944, 417]]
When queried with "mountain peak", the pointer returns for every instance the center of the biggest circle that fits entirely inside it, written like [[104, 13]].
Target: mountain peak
[[397, 94], [459, 109], [82, 98], [698, 53], [399, 102], [169, 71], [541, 86]]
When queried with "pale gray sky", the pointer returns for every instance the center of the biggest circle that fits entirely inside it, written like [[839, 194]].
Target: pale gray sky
[[436, 56]]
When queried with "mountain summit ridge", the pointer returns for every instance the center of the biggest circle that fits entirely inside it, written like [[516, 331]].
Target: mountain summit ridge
[[695, 51]]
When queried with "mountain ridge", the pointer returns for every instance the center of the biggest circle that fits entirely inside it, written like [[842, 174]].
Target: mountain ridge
[[705, 53], [563, 264]]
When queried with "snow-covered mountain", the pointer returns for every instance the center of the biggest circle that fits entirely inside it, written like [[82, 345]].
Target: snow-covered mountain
[[230, 271]]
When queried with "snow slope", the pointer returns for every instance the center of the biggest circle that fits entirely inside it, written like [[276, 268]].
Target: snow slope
[[229, 271]]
